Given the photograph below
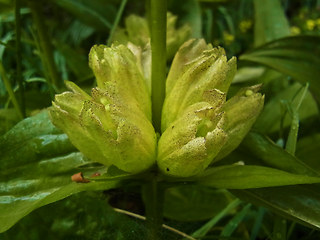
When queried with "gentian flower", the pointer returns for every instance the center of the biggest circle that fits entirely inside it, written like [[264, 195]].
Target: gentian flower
[[199, 125]]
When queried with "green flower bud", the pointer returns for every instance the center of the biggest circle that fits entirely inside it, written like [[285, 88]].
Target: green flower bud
[[137, 32], [143, 57], [241, 111], [175, 37], [196, 68], [199, 126], [190, 143], [113, 125]]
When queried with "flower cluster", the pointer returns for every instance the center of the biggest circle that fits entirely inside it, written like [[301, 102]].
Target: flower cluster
[[199, 126]]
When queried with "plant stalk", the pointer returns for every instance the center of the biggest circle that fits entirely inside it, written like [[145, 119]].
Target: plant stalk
[[153, 195], [158, 18], [19, 56], [45, 44], [8, 87]]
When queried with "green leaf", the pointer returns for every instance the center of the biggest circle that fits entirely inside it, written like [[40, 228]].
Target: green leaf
[[235, 221], [293, 109], [6, 6], [194, 202], [248, 176], [292, 56], [268, 153], [77, 63], [269, 120], [37, 163], [201, 232], [246, 74], [8, 118], [94, 13], [85, 216], [257, 223], [270, 21], [308, 150], [213, 1], [299, 203], [189, 12], [279, 229]]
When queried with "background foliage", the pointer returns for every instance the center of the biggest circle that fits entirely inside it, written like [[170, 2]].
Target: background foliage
[[277, 44]]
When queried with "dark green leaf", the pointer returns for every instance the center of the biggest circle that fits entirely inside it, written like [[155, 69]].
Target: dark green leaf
[[201, 232], [270, 21], [279, 229], [308, 150], [300, 203], [295, 56], [270, 154], [85, 216], [8, 118], [248, 74], [235, 221], [269, 120], [247, 176], [190, 13], [194, 202], [213, 1], [6, 6], [37, 163], [95, 13], [75, 61]]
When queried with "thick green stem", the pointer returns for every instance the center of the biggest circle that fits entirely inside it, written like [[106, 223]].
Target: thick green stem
[[158, 17], [9, 90], [153, 195], [18, 56], [158, 28], [45, 43]]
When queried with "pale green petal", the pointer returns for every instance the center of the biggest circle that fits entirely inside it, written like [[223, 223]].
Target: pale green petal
[[117, 72], [190, 143], [189, 51], [241, 111], [74, 88], [72, 127], [189, 80], [186, 161], [72, 101], [143, 56]]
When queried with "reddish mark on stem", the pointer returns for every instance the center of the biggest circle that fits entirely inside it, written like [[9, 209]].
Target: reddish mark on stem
[[78, 177], [96, 174]]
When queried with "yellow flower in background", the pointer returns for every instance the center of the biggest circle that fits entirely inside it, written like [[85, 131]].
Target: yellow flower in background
[[295, 30], [216, 42], [310, 24], [228, 38], [245, 25], [318, 22]]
